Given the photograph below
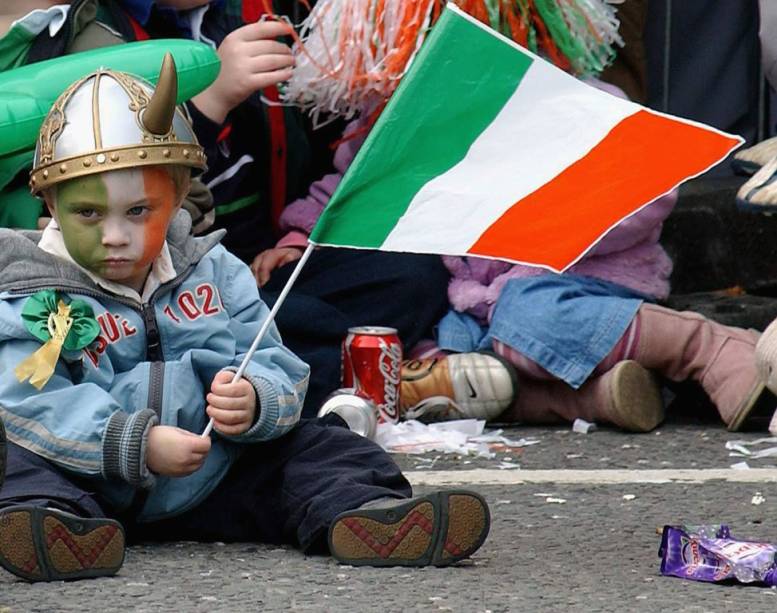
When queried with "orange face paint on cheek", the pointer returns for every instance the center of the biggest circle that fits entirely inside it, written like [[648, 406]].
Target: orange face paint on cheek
[[160, 190]]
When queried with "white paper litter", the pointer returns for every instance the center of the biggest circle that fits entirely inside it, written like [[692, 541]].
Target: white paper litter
[[741, 466], [758, 499], [553, 500], [628, 497], [581, 426], [427, 463], [742, 449], [462, 437]]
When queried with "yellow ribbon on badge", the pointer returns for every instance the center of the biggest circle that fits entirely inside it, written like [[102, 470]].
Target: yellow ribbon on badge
[[39, 367]]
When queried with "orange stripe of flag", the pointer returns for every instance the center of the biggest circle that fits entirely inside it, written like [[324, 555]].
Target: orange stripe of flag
[[644, 155]]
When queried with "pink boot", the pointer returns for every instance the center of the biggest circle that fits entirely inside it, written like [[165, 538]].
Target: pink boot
[[626, 396], [685, 345]]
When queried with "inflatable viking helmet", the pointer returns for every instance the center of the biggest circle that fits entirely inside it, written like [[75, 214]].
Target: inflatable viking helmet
[[112, 120]]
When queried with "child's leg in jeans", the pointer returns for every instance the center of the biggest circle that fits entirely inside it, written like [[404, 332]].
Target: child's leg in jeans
[[620, 392], [527, 368], [628, 396], [679, 346], [51, 529], [288, 490], [294, 489]]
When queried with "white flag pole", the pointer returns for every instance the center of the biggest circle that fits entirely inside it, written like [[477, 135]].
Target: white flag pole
[[267, 322]]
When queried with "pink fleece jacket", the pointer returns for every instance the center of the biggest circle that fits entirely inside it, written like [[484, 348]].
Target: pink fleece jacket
[[629, 254], [299, 217]]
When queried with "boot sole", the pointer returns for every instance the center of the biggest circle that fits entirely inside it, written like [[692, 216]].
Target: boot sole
[[766, 356], [636, 398], [39, 544], [756, 413], [435, 530]]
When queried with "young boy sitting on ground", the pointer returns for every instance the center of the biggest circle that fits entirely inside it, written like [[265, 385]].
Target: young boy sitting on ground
[[119, 337]]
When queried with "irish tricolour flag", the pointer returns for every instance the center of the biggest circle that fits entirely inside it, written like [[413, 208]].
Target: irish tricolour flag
[[486, 149]]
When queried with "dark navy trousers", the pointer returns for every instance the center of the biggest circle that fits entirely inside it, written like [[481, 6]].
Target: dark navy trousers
[[342, 288], [284, 491]]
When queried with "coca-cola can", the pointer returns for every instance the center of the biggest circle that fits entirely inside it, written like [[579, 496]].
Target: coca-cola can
[[358, 412], [372, 359]]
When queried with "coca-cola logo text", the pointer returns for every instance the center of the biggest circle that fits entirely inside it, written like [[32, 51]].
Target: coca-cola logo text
[[389, 365]]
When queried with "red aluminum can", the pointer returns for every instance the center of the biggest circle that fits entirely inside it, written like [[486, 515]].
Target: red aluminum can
[[372, 359]]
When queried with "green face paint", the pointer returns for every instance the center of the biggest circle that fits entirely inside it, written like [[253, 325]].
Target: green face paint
[[78, 202], [114, 223]]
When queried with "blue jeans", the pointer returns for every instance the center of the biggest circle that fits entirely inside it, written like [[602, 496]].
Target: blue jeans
[[565, 323]]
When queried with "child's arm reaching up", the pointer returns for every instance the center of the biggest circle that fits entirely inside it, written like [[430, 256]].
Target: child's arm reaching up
[[250, 60]]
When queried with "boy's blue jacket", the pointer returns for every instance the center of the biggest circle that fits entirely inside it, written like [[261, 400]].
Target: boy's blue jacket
[[152, 363]]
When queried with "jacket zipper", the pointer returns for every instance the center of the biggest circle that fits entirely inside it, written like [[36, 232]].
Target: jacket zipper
[[153, 340], [156, 387], [156, 357]]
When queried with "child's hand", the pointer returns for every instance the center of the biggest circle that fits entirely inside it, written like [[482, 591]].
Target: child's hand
[[231, 405], [250, 60], [174, 452], [270, 259]]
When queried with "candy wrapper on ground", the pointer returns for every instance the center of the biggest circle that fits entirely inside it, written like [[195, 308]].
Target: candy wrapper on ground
[[709, 553]]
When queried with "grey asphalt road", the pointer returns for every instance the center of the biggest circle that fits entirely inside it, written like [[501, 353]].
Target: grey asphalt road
[[574, 529]]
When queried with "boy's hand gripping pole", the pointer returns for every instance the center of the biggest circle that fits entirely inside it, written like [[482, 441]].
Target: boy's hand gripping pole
[[266, 325]]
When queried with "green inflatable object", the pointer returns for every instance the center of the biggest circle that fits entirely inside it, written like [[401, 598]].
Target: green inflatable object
[[27, 93], [20, 119]]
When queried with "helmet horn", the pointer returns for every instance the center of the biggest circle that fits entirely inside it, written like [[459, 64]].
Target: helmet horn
[[158, 117]]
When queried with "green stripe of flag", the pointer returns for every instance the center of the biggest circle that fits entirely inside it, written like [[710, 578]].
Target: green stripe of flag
[[412, 141]]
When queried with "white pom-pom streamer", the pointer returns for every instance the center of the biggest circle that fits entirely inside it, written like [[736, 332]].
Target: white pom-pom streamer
[[351, 54]]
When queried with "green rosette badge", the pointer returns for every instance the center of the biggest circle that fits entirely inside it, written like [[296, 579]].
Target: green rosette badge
[[58, 324]]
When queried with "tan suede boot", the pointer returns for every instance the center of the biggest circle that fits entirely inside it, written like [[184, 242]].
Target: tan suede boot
[[685, 345], [457, 386], [627, 396]]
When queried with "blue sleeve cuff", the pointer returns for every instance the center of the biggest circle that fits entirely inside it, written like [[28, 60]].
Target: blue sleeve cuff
[[124, 447]]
